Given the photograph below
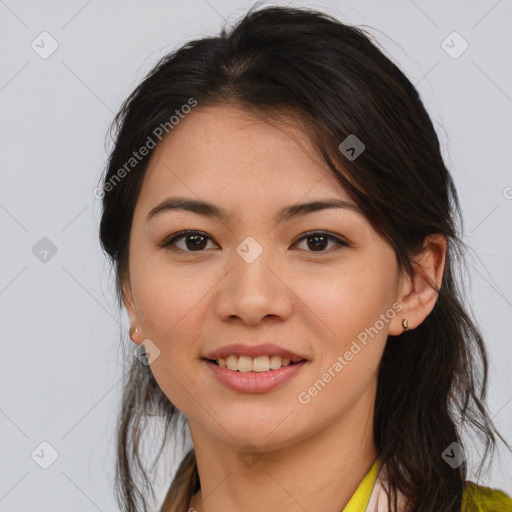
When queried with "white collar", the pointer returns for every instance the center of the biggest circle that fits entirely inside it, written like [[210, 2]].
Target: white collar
[[379, 497]]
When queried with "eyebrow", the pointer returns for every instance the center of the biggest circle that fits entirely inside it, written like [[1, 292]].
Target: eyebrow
[[210, 210]]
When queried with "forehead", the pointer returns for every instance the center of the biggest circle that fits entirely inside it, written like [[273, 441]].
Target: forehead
[[230, 133], [226, 152]]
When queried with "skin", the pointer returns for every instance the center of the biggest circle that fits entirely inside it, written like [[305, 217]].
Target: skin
[[313, 301]]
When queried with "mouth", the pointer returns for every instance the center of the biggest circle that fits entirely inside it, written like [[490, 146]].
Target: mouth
[[261, 374], [260, 364], [261, 358]]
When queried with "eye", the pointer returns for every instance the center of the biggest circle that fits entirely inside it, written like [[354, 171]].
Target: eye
[[195, 241], [319, 239]]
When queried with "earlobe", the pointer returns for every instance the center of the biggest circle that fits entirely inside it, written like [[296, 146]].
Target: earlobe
[[402, 320], [418, 293]]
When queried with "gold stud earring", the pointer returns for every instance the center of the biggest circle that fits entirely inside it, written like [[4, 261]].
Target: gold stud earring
[[133, 330], [405, 324]]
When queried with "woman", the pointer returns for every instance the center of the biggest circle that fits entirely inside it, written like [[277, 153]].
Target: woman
[[283, 230]]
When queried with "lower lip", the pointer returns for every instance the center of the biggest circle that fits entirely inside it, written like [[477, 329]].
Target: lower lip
[[254, 382]]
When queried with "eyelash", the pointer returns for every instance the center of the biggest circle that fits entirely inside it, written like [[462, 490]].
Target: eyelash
[[169, 241]]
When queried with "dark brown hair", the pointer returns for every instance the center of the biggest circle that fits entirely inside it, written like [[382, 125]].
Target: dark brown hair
[[432, 379]]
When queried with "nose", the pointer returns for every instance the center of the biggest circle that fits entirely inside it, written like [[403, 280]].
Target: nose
[[253, 290]]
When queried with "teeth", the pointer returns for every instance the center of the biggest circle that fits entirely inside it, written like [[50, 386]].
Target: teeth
[[244, 364], [250, 364], [276, 361]]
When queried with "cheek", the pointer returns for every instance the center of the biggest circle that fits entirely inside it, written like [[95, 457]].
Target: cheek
[[169, 302], [169, 305], [349, 306], [347, 301]]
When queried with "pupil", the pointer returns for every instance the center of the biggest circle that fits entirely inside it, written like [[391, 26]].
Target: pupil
[[198, 240], [317, 238]]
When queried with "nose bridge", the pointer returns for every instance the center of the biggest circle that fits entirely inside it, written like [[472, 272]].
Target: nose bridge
[[251, 289], [251, 260]]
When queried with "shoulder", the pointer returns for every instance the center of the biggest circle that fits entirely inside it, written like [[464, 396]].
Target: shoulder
[[477, 498]]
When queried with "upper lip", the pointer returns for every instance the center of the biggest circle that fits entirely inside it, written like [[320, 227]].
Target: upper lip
[[265, 349]]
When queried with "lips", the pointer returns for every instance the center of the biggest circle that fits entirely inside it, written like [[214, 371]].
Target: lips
[[251, 382], [265, 349]]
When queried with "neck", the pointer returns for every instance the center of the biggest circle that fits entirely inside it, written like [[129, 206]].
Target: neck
[[320, 472]]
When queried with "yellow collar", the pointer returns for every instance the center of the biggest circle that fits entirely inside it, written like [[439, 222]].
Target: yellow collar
[[474, 497], [361, 497]]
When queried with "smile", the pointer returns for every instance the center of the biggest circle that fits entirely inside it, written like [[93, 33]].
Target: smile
[[253, 364]]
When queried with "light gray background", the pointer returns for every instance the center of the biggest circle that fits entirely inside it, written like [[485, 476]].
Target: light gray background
[[60, 379]]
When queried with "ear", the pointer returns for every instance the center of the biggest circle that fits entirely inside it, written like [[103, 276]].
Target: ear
[[416, 294], [129, 304]]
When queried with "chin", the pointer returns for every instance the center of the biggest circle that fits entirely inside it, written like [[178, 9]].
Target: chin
[[264, 436]]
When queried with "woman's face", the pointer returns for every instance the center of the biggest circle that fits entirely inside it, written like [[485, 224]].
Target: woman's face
[[251, 278]]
